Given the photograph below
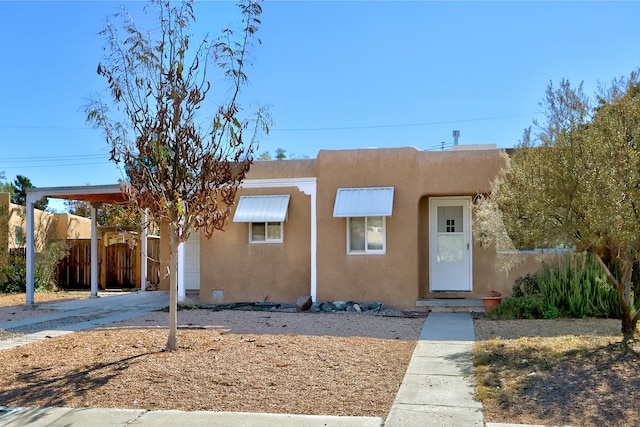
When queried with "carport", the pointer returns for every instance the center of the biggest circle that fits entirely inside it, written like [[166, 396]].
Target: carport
[[95, 195]]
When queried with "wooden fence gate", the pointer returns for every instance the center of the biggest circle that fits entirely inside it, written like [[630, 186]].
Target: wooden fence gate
[[118, 265], [121, 264], [74, 270]]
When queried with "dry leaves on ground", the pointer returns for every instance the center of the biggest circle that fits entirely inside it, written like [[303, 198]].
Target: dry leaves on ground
[[227, 361], [557, 372]]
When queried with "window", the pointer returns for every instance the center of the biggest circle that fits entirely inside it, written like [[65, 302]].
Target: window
[[19, 236], [366, 210], [265, 232], [265, 215], [450, 235], [366, 235]]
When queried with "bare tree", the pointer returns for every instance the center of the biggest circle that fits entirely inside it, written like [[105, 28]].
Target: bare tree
[[181, 171]]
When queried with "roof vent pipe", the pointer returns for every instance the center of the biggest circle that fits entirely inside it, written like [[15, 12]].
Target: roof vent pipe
[[456, 135]]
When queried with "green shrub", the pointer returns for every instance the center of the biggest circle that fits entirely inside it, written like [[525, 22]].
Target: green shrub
[[526, 286], [47, 264], [570, 286], [15, 272], [532, 307], [13, 275], [578, 286]]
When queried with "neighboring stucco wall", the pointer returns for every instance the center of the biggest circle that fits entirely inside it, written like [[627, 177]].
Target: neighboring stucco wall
[[56, 225], [44, 225], [69, 226]]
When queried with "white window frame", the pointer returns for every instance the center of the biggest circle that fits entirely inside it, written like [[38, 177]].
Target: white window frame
[[366, 250], [266, 234]]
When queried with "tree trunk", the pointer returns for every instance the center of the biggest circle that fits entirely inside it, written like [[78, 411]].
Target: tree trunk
[[172, 341], [628, 326]]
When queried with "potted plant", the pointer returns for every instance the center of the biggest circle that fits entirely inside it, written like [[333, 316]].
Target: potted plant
[[492, 301]]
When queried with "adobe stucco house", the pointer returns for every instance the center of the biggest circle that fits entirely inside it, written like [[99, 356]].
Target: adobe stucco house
[[390, 225]]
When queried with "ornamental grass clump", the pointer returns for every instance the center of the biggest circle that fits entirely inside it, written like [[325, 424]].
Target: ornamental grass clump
[[570, 286]]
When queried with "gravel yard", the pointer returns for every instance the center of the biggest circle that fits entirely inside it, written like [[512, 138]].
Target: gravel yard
[[299, 363], [558, 372]]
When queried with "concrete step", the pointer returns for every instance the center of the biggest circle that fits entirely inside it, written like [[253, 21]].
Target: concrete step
[[451, 305]]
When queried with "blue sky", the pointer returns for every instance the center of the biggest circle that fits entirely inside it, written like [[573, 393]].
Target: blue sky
[[335, 74]]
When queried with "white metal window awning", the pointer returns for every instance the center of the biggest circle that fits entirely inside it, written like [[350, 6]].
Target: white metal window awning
[[262, 208], [366, 201]]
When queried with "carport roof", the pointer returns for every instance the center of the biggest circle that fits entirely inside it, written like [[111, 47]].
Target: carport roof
[[89, 193]]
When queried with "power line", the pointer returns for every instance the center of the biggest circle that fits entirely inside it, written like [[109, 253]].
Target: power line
[[54, 158], [401, 125], [58, 165], [61, 161], [397, 125], [45, 127]]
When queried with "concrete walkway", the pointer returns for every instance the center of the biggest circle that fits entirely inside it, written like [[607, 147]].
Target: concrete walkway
[[437, 389], [101, 311], [67, 417]]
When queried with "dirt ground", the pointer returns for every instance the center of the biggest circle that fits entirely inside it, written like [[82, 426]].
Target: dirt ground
[[557, 372], [550, 372], [299, 363]]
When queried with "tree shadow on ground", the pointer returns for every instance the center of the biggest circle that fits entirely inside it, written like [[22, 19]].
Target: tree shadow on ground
[[36, 386], [590, 386]]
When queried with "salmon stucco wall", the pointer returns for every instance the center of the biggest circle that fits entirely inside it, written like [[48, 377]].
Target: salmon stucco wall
[[390, 277], [399, 277], [461, 173], [234, 270], [488, 275]]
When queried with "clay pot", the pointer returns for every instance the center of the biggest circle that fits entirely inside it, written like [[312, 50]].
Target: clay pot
[[490, 303]]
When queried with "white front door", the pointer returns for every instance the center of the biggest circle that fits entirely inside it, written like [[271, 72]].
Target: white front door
[[450, 244], [192, 262]]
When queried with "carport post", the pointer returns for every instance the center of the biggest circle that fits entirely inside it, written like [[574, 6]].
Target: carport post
[[181, 278], [94, 250], [143, 251], [30, 251]]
